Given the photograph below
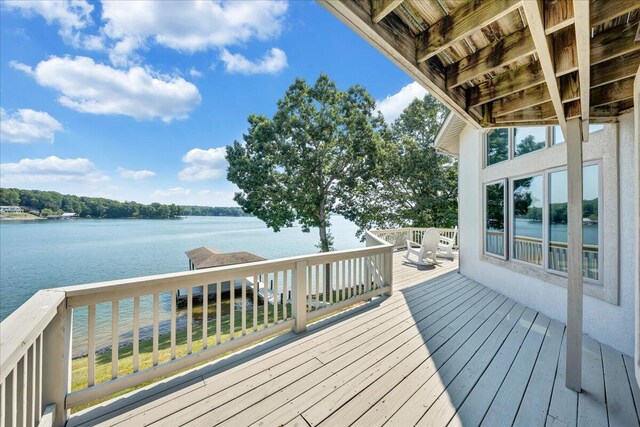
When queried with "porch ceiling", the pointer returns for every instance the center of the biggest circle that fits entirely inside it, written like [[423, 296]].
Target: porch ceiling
[[500, 63]]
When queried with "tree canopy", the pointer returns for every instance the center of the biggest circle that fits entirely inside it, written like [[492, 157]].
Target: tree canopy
[[417, 186], [314, 158]]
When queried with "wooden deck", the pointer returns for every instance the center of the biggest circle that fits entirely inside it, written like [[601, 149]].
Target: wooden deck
[[443, 350]]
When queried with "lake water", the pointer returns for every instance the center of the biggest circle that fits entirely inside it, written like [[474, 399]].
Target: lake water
[[44, 254]]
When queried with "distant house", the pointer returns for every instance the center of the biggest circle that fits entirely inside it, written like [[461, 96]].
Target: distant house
[[7, 209]]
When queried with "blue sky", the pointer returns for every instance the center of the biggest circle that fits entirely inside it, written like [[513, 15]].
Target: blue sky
[[136, 100]]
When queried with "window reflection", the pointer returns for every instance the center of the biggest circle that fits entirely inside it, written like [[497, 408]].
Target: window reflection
[[494, 226], [497, 146], [527, 219], [529, 139], [558, 221]]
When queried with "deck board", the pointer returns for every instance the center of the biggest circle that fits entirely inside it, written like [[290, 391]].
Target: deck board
[[443, 350]]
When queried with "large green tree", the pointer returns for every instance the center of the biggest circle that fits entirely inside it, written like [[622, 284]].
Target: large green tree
[[418, 186], [315, 156]]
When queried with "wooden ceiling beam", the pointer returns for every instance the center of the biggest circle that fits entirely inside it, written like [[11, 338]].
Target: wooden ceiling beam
[[619, 68], [606, 10], [538, 112], [505, 84], [382, 8], [564, 51], [558, 14], [613, 92], [398, 44], [614, 42], [461, 23], [522, 100], [569, 88], [493, 57], [534, 15], [583, 54]]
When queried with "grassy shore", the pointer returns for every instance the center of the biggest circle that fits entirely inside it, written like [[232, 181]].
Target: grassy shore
[[18, 216]]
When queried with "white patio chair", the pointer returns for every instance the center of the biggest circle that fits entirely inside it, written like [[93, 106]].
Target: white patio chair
[[446, 244], [428, 247]]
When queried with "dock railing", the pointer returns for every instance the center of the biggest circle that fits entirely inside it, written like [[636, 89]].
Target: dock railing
[[37, 387]]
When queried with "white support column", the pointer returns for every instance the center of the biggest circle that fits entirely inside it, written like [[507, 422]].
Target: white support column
[[636, 125], [574, 252]]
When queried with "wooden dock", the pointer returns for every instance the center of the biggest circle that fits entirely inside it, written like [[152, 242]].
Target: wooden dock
[[443, 350]]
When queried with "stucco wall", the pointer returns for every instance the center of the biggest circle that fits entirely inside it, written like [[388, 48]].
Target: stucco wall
[[609, 323]]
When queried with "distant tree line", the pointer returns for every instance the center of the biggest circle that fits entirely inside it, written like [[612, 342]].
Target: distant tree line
[[51, 203], [213, 211]]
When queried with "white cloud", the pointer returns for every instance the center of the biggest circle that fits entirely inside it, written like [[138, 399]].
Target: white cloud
[[170, 193], [71, 15], [271, 63], [90, 87], [135, 175], [193, 72], [50, 170], [393, 105], [203, 164], [25, 126], [188, 26]]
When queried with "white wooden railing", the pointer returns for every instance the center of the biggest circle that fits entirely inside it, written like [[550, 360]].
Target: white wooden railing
[[273, 296], [398, 236]]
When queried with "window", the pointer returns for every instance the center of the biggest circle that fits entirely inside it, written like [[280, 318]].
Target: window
[[527, 219], [590, 226], [495, 214], [497, 146], [529, 139], [558, 138]]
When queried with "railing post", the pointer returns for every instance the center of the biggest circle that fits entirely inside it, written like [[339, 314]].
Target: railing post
[[56, 364], [388, 270], [299, 297]]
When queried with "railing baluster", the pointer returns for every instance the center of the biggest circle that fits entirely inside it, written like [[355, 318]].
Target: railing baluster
[[91, 345], [265, 299], [331, 282], [205, 315], [361, 284], [344, 283], [114, 339], [285, 293], [3, 397], [317, 282], [232, 308], [244, 306], [14, 397], [189, 318], [156, 327], [136, 334], [39, 382], [309, 287], [173, 323], [255, 302], [218, 312], [276, 297], [33, 383], [23, 388], [323, 284]]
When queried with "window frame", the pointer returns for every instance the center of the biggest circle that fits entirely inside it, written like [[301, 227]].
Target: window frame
[[505, 242], [512, 218]]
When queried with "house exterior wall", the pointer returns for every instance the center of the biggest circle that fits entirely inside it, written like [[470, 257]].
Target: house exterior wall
[[609, 309]]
